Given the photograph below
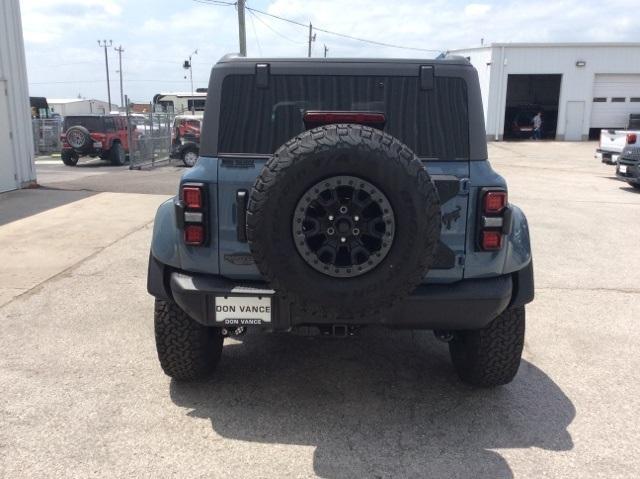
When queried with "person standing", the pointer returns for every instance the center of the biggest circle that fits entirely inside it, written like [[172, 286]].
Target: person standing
[[537, 126]]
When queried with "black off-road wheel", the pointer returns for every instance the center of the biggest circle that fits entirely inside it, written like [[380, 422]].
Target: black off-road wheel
[[69, 158], [187, 350], [343, 220], [490, 356], [117, 156]]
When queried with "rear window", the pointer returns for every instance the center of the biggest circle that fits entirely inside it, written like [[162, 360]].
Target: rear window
[[433, 123], [91, 123]]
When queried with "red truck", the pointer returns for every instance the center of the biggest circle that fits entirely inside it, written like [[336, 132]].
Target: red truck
[[103, 136]]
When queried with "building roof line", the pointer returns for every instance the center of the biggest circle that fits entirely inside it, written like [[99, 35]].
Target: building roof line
[[549, 45]]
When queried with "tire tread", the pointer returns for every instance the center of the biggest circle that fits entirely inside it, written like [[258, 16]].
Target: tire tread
[[187, 350]]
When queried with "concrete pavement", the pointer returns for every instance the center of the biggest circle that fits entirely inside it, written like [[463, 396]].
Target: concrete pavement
[[43, 245], [83, 395]]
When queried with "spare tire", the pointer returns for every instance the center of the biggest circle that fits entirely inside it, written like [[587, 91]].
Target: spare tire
[[79, 138], [343, 221]]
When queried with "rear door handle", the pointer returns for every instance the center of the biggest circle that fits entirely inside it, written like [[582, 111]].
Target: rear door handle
[[241, 212]]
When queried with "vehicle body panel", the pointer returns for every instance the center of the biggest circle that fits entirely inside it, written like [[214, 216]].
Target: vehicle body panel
[[462, 276], [628, 168]]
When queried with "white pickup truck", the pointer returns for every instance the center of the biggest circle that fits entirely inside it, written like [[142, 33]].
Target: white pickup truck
[[612, 142]]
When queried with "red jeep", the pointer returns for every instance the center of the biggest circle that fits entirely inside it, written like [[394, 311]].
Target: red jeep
[[93, 135]]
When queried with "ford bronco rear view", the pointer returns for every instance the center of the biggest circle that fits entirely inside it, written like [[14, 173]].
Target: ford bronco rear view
[[331, 195]]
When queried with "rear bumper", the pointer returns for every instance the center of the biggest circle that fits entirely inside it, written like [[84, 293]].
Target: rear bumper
[[609, 157], [90, 151], [467, 304], [631, 173]]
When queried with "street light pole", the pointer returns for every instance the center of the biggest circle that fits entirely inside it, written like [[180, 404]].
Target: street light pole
[[120, 50], [188, 65], [104, 44]]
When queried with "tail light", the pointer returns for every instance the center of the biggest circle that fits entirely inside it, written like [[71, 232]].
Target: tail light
[[631, 138], [192, 210], [495, 219], [313, 119], [494, 202], [194, 235], [192, 197]]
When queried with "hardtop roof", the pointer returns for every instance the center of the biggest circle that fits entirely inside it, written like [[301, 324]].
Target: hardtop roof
[[447, 60]]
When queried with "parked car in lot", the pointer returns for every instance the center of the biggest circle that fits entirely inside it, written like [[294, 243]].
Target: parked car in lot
[[628, 168], [103, 136], [185, 138], [333, 195], [612, 142]]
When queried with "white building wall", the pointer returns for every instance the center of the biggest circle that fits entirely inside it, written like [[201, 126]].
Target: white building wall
[[577, 82], [13, 74], [480, 58]]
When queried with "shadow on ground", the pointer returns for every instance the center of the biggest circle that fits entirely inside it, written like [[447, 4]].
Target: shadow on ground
[[377, 406], [18, 204]]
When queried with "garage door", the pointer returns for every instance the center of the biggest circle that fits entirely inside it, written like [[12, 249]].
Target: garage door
[[614, 98]]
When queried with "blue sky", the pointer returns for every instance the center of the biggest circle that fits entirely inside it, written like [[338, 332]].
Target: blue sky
[[64, 60]]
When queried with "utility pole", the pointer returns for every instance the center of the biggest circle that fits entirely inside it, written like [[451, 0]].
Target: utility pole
[[104, 44], [312, 38], [120, 50], [325, 51], [242, 32], [188, 65]]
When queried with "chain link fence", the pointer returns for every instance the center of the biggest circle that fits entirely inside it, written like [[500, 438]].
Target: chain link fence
[[150, 138], [46, 135]]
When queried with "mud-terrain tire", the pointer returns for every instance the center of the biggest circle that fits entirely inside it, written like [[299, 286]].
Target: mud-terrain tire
[[187, 350], [343, 151], [117, 155], [490, 356], [79, 138], [69, 158]]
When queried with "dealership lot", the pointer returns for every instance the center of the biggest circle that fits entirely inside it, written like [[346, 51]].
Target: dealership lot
[[83, 395]]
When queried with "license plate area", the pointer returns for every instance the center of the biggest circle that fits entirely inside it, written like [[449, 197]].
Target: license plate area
[[622, 168], [242, 310]]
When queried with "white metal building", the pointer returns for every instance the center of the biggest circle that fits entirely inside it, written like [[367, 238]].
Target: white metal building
[[79, 106], [580, 87], [16, 138]]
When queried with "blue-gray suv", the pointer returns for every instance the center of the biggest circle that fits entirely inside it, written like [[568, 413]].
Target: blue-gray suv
[[331, 195]]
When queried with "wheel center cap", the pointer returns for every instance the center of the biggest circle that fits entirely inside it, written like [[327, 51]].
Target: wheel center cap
[[343, 226]]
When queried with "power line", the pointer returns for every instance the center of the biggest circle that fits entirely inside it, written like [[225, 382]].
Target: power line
[[343, 35], [216, 2], [255, 34], [273, 29]]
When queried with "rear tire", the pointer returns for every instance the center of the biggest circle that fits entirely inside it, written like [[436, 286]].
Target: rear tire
[[189, 158], [117, 155], [490, 356], [69, 158], [187, 350]]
